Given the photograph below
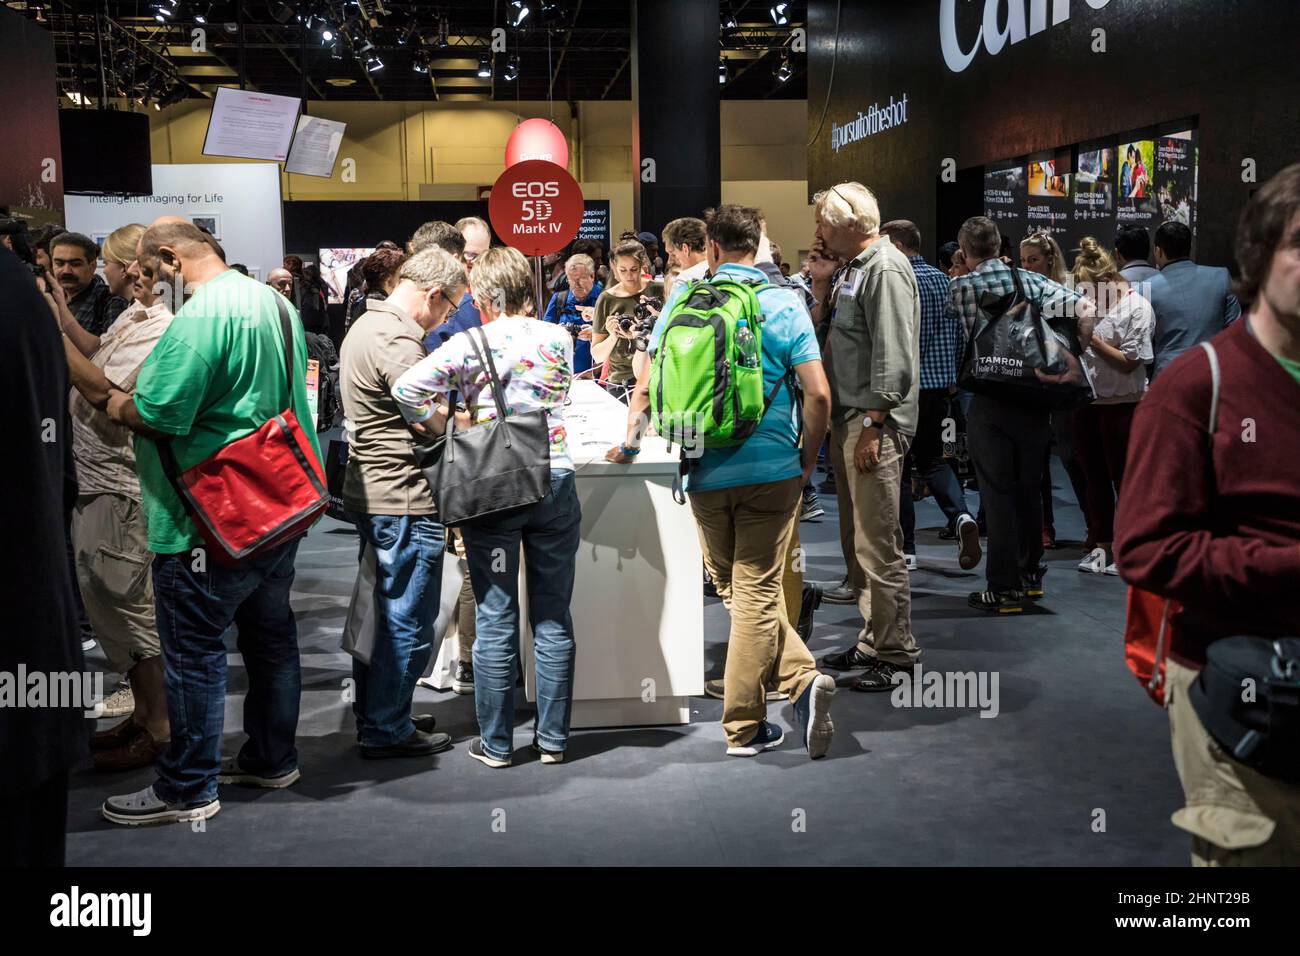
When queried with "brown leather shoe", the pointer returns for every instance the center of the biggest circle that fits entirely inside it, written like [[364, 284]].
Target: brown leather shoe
[[118, 735], [141, 751]]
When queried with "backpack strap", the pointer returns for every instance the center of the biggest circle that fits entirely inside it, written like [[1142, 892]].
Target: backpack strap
[[1215, 380], [1162, 636]]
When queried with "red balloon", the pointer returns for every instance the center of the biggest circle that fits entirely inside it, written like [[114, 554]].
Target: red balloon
[[536, 207], [537, 139]]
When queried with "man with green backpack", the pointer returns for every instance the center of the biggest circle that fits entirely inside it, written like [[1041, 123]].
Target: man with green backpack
[[722, 385]]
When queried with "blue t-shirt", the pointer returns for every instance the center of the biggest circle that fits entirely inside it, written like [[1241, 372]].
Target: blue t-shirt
[[465, 317], [772, 452], [563, 307]]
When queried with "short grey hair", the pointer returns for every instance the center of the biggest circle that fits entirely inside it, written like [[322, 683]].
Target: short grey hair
[[581, 261], [504, 279], [980, 237], [849, 205], [434, 268]]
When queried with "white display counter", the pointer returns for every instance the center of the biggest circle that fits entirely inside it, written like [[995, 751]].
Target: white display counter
[[638, 600]]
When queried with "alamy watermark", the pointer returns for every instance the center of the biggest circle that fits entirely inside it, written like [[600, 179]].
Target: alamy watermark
[[59, 690], [960, 690]]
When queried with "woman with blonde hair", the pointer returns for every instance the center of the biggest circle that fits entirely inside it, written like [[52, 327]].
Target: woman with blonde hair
[[108, 527], [1116, 360], [1041, 253]]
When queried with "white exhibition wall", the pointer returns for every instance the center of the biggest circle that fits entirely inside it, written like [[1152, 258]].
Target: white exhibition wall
[[239, 202]]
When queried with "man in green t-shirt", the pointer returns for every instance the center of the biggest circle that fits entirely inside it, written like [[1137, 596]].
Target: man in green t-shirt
[[215, 376]]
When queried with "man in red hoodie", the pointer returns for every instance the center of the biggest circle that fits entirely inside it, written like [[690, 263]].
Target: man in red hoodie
[[1213, 522]]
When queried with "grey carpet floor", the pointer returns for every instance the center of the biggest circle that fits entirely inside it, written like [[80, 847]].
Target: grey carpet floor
[[1073, 771]]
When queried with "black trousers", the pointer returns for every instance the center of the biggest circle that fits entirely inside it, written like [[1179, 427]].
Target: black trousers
[[926, 457], [34, 824], [1007, 446]]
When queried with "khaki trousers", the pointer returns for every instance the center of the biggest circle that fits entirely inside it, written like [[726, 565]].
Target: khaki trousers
[[1236, 816], [886, 601], [792, 575], [745, 534], [113, 571], [847, 547]]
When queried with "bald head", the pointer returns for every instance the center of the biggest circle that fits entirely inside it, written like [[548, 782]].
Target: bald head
[[281, 280], [174, 245]]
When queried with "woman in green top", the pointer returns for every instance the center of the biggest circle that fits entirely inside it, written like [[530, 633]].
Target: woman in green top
[[608, 340]]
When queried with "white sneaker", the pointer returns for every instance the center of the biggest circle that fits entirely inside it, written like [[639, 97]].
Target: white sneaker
[[1112, 569], [968, 542], [910, 561], [768, 737], [119, 703], [1094, 562], [88, 645]]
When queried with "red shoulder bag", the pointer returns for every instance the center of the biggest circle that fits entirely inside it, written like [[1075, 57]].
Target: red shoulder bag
[[259, 491]]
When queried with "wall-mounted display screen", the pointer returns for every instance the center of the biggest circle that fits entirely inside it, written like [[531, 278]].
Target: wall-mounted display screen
[[1139, 178]]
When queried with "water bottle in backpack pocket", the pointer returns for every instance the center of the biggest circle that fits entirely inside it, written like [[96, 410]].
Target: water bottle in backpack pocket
[[706, 381]]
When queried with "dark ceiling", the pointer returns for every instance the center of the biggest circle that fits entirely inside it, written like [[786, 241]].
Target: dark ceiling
[[575, 50]]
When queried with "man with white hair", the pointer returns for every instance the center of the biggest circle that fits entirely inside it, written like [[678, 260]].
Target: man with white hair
[[872, 360], [576, 305], [386, 496]]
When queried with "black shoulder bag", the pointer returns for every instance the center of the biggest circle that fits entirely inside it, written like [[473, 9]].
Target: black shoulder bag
[[1014, 354], [492, 468]]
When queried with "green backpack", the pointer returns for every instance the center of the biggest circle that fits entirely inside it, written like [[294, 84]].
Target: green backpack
[[702, 393]]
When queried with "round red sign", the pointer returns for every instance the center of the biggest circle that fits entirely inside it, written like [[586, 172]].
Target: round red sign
[[536, 207], [537, 139]]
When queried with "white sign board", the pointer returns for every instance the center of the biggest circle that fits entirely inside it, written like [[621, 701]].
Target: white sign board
[[242, 201], [315, 147], [249, 125]]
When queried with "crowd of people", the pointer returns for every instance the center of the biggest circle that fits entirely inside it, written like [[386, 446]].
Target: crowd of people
[[173, 354]]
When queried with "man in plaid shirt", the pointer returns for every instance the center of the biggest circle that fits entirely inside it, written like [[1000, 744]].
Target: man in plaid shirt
[[943, 337], [1008, 441]]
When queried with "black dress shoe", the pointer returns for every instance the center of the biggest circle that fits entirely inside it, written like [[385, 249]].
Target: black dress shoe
[[419, 744], [879, 676], [424, 722], [850, 660], [812, 600]]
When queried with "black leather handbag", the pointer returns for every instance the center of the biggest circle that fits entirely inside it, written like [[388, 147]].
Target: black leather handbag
[[493, 468]]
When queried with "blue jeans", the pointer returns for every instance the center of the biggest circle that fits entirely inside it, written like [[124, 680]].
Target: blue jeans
[[408, 583], [194, 610], [549, 532]]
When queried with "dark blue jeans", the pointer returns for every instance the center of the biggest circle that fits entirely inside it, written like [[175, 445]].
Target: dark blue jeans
[[408, 583], [549, 532], [194, 610]]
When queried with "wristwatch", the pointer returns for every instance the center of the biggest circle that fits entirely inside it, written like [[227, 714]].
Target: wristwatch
[[870, 422]]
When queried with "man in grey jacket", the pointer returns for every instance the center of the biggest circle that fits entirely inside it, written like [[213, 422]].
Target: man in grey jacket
[[871, 355], [1192, 303]]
